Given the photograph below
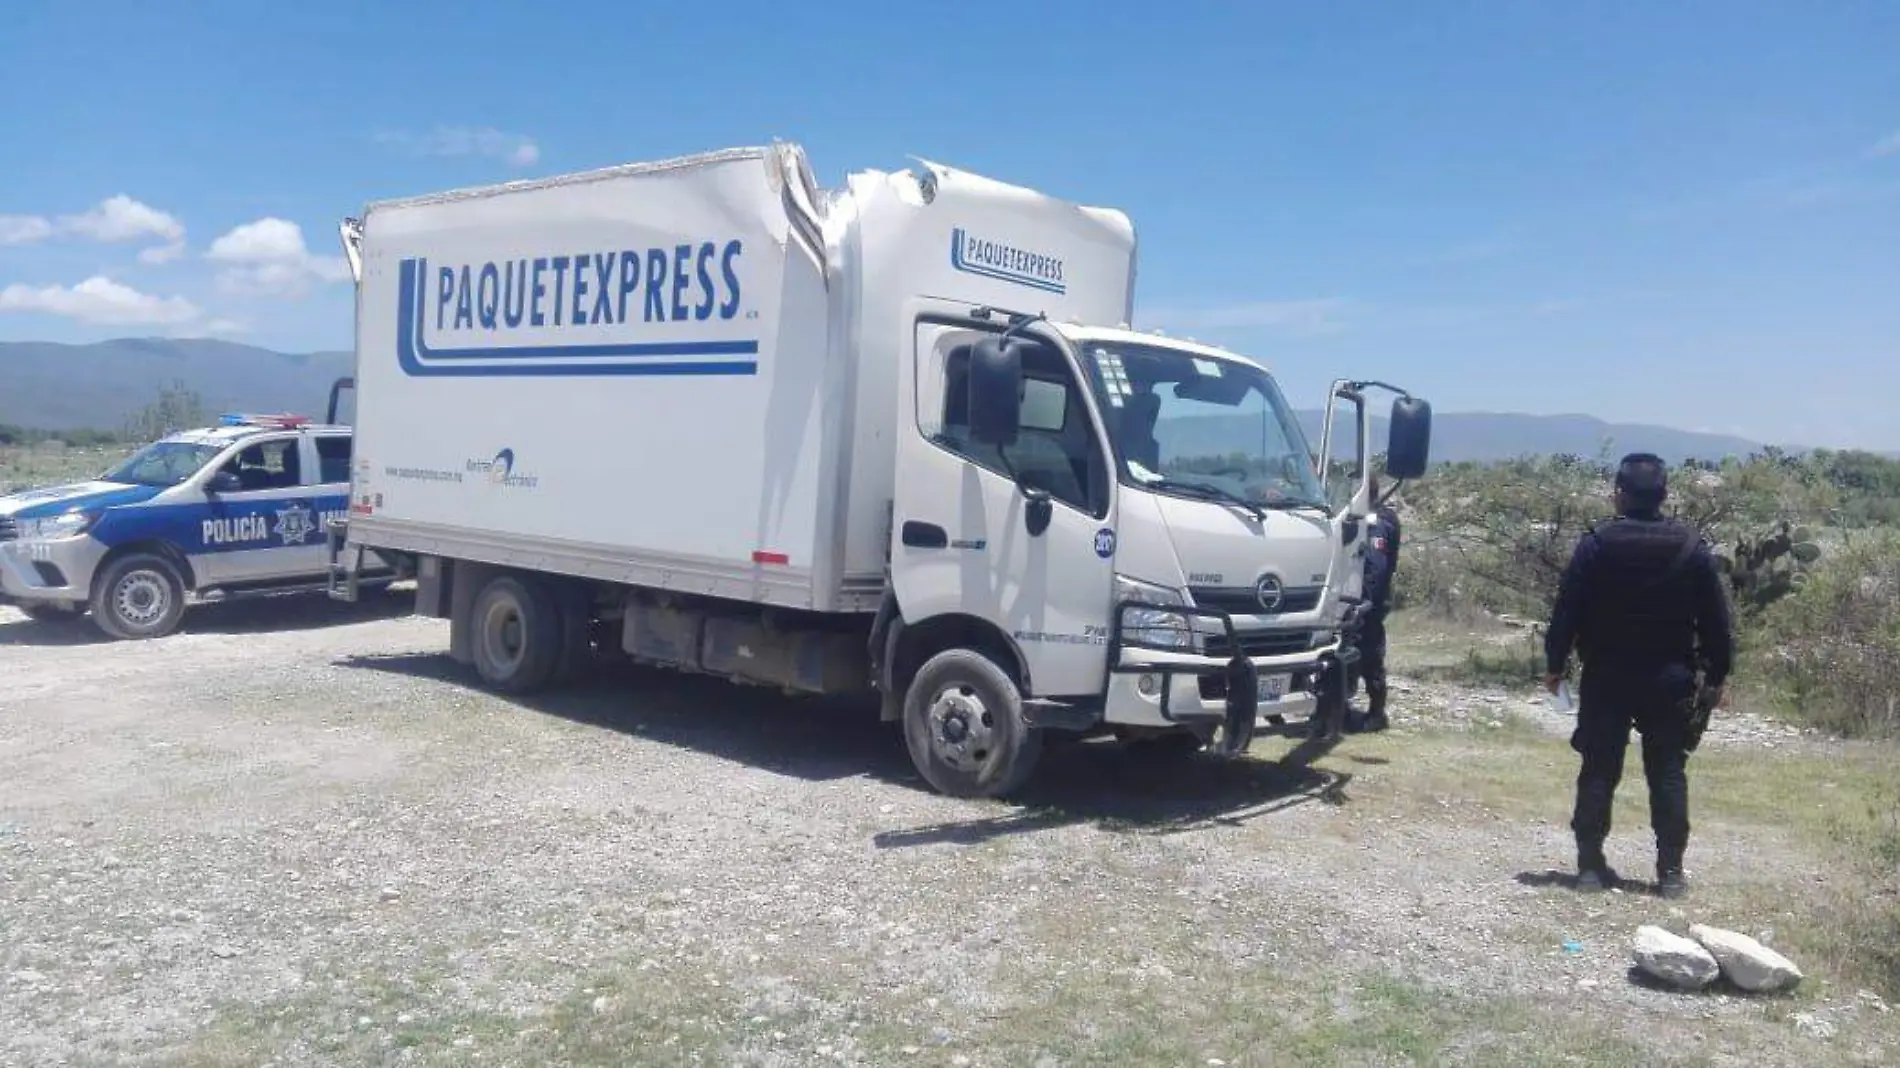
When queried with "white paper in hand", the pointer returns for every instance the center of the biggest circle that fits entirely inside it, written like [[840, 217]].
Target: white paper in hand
[[1560, 701]]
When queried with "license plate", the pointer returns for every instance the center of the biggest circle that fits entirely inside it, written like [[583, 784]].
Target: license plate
[[1273, 687]]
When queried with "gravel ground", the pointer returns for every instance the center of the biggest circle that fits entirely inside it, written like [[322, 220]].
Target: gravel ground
[[296, 834]]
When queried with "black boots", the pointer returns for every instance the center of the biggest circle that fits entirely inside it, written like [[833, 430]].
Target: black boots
[[1669, 879], [1593, 869], [1373, 719]]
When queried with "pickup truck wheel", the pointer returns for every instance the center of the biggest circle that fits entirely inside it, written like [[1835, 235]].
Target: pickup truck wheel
[[138, 597], [517, 632], [965, 729]]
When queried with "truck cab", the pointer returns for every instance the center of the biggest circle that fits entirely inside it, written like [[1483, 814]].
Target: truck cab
[[1142, 517], [232, 510]]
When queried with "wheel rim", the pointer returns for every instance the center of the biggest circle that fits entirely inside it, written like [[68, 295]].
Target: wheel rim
[[503, 636], [962, 728], [142, 598]]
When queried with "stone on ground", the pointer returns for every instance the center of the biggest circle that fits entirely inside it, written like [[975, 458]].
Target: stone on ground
[[1678, 961], [1746, 962]]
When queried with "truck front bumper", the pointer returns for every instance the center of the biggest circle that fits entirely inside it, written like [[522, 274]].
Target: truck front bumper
[[1170, 686], [55, 571]]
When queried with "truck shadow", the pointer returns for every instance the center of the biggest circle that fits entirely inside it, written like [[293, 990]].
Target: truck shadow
[[262, 615], [1096, 782]]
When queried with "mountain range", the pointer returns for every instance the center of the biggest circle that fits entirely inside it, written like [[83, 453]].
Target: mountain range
[[44, 385]]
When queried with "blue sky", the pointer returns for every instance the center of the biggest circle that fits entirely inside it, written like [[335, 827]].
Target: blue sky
[[1686, 213]]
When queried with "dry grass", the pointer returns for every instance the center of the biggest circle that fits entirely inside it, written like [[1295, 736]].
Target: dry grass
[[26, 466]]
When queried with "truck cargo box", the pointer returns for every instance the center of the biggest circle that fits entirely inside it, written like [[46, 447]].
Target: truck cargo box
[[682, 374]]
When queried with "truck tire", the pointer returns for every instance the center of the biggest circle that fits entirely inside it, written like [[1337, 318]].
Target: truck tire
[[965, 729], [516, 635], [138, 596]]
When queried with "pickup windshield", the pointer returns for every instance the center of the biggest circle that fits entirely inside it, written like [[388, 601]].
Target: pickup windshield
[[163, 463], [1201, 428]]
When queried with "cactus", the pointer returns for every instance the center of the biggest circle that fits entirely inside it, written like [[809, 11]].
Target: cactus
[[1765, 569]]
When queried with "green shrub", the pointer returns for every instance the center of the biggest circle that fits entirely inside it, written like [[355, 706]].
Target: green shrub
[[1830, 653]]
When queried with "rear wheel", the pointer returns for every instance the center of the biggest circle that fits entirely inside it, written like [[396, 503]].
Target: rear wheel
[[965, 729], [137, 597], [517, 634]]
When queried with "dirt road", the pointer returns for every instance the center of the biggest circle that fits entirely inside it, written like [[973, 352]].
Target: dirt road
[[296, 834]]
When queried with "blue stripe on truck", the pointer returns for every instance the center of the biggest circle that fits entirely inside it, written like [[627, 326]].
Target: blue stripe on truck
[[417, 359]]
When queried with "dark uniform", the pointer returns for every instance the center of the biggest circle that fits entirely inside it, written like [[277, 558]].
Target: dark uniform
[[1381, 566], [1642, 604]]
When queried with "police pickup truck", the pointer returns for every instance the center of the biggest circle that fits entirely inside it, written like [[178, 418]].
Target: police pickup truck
[[217, 513]]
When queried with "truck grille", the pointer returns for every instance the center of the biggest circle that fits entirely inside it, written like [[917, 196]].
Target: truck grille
[[1240, 600], [1262, 643], [9, 530]]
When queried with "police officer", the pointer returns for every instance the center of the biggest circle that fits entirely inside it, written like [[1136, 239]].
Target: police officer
[[1641, 602], [1381, 566]]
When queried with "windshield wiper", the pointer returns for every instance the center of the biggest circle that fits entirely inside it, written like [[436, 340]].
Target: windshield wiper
[[1293, 504], [1211, 493]]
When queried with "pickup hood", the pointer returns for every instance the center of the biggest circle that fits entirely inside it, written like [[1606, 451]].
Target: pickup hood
[[53, 500], [1223, 551]]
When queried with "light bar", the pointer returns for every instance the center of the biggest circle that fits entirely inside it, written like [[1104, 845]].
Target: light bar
[[285, 419]]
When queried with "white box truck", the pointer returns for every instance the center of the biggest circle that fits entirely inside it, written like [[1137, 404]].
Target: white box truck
[[897, 439]]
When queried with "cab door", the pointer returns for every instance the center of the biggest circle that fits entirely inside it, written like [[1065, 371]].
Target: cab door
[[260, 522], [966, 537]]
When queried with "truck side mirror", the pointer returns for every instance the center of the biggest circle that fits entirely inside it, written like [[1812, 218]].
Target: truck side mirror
[[1409, 438], [223, 482], [996, 390]]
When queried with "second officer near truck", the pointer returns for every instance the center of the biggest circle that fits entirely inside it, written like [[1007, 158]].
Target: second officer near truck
[[1381, 567]]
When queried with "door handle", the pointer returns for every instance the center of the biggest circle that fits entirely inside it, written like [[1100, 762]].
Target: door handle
[[919, 535]]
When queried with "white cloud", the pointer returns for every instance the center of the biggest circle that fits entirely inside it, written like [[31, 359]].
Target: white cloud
[[515, 149], [120, 218], [158, 254], [99, 300], [269, 258], [113, 220], [24, 229], [1309, 316]]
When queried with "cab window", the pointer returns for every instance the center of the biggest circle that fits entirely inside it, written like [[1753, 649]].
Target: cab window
[[1056, 448], [267, 465], [333, 459]]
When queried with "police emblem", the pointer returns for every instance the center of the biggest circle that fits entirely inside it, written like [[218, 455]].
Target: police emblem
[[295, 525]]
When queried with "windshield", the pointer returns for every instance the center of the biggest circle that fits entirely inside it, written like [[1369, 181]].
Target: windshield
[[163, 463], [1201, 427]]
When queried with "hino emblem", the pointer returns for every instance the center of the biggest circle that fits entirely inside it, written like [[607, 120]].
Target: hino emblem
[[1269, 593]]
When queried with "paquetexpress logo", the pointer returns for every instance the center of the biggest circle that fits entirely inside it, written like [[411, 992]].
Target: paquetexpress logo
[[501, 470]]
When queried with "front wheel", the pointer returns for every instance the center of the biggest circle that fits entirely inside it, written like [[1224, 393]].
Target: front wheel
[[138, 597], [964, 726]]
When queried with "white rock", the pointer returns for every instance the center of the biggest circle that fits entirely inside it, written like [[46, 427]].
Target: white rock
[[1747, 963], [1674, 959]]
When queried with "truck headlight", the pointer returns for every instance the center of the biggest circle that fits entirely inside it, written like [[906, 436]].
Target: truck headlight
[[64, 525], [1153, 626]]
